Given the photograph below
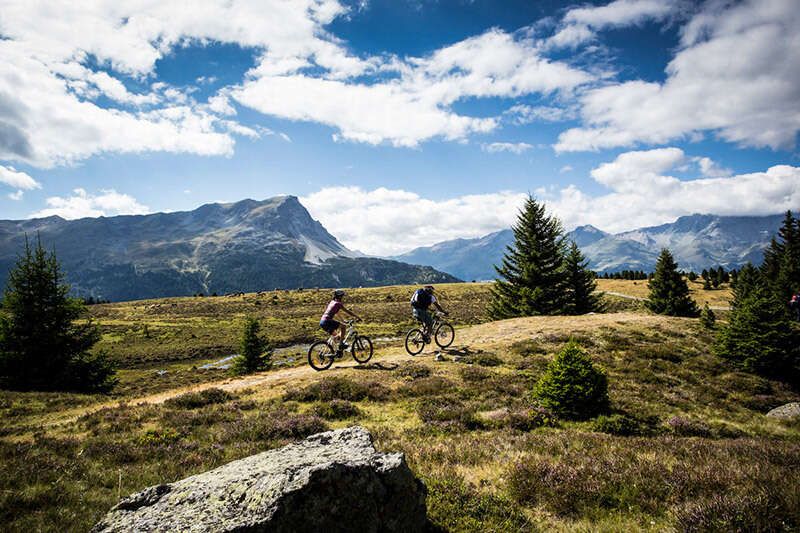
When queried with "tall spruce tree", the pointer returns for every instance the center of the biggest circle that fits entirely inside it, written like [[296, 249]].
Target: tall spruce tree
[[580, 284], [669, 293], [758, 336], [42, 346], [532, 276]]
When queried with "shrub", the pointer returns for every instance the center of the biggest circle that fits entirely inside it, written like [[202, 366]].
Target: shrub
[[158, 437], [336, 410], [485, 359], [532, 418], [763, 511], [571, 386], [414, 371], [430, 386], [527, 348], [685, 427], [193, 400], [473, 374], [618, 424], [707, 317], [338, 388], [448, 413]]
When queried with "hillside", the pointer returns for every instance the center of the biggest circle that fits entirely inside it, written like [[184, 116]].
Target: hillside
[[696, 241], [217, 248], [689, 444]]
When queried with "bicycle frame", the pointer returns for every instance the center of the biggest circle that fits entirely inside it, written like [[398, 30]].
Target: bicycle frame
[[351, 332]]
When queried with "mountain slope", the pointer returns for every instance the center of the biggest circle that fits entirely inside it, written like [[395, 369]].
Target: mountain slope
[[243, 246], [697, 241]]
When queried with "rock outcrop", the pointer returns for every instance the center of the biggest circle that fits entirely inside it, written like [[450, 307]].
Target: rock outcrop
[[786, 412], [332, 481]]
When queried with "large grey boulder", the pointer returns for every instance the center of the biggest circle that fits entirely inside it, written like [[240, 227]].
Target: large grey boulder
[[332, 481], [786, 411]]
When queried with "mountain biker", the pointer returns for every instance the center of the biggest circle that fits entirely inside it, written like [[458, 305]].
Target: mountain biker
[[329, 324], [420, 303]]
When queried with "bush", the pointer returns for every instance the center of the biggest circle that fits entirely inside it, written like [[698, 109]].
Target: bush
[[618, 424], [430, 386], [338, 388], [530, 419], [448, 413], [193, 400], [527, 348], [571, 386], [685, 427], [474, 374], [763, 511], [336, 410], [414, 371], [485, 359]]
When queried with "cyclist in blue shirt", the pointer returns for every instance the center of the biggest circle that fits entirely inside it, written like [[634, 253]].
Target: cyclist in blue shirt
[[421, 302]]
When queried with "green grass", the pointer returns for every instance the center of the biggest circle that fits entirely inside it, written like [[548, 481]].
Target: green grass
[[685, 446]]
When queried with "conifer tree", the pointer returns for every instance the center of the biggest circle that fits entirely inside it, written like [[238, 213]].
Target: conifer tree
[[669, 293], [580, 284], [707, 317], [254, 351], [42, 346], [758, 336], [531, 277]]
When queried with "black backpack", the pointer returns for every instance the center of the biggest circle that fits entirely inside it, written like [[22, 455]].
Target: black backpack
[[421, 299]]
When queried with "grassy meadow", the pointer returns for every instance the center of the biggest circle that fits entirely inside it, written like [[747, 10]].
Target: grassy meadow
[[686, 445]]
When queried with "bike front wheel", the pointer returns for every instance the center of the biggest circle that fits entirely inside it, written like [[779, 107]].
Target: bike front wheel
[[361, 349], [320, 356], [445, 335], [415, 341]]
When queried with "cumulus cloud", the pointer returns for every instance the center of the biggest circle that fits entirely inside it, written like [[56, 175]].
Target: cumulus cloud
[[83, 204], [56, 67], [580, 25], [641, 192], [525, 114], [17, 179], [416, 104], [16, 195], [753, 100], [377, 222], [514, 148]]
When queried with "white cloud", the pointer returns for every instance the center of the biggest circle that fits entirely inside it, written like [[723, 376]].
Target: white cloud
[[416, 105], [82, 204], [16, 196], [565, 169], [737, 75], [579, 25], [378, 222], [525, 114], [17, 179], [514, 148], [710, 168], [642, 193]]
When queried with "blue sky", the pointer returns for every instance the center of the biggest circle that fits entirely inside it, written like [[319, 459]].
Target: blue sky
[[402, 123]]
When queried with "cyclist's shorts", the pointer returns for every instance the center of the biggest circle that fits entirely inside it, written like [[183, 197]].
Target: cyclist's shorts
[[329, 325], [423, 315]]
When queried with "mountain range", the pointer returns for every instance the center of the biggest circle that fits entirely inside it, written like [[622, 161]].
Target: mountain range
[[217, 248], [696, 241]]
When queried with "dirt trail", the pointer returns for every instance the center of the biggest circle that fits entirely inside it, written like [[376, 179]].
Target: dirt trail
[[640, 299]]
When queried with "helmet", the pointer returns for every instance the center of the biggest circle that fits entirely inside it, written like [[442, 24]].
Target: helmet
[[429, 288], [338, 293]]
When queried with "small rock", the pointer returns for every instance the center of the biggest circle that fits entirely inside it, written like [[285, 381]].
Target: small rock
[[787, 411], [439, 357]]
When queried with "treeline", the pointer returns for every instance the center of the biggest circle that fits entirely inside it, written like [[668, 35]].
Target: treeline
[[626, 274]]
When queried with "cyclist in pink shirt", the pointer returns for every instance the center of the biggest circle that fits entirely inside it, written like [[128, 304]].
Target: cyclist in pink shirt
[[329, 324]]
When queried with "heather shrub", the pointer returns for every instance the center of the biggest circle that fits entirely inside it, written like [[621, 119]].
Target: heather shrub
[[338, 388], [531, 418], [193, 400], [618, 424], [571, 386], [414, 371], [335, 410], [447, 412], [474, 374]]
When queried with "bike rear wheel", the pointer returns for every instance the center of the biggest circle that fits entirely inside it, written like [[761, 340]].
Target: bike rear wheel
[[445, 335], [361, 349], [415, 341], [320, 356]]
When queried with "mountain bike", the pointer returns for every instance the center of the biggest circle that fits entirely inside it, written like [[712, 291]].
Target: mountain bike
[[322, 353], [443, 335]]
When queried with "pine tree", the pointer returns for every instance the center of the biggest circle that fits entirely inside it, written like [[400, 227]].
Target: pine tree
[[42, 347], [758, 336], [707, 317], [531, 277], [581, 284], [669, 293], [254, 351], [572, 386]]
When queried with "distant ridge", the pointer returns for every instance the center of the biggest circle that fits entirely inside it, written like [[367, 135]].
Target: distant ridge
[[243, 246], [697, 241]]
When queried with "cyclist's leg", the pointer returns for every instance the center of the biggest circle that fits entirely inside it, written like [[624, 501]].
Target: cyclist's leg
[[342, 335]]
